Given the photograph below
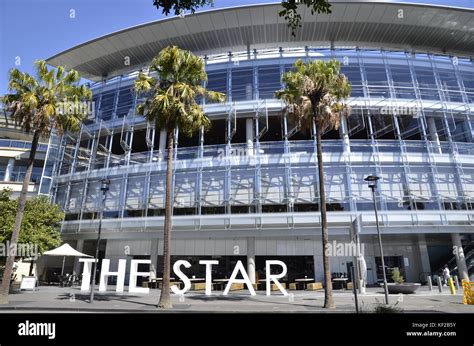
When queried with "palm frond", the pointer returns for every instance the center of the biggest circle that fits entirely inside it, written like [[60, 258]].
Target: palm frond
[[33, 102], [316, 91], [173, 102]]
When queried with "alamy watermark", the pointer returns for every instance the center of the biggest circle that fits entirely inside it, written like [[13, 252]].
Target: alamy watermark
[[350, 249], [81, 107], [234, 152], [19, 250], [414, 111]]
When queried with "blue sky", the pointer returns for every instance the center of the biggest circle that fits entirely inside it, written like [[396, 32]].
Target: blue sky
[[38, 29]]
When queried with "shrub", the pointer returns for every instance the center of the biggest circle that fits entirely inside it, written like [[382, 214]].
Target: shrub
[[397, 277]]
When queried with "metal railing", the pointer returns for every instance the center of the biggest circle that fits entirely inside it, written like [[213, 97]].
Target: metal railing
[[17, 144]]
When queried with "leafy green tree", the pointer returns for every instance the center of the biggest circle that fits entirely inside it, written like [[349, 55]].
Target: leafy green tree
[[289, 11], [291, 15], [314, 94], [181, 5], [40, 225], [171, 104], [39, 105]]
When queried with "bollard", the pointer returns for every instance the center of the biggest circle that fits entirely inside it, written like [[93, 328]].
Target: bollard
[[468, 288], [354, 289], [456, 282], [361, 287], [430, 284], [440, 285], [451, 286]]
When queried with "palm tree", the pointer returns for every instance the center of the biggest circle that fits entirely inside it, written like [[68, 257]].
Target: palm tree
[[314, 94], [172, 105], [39, 105]]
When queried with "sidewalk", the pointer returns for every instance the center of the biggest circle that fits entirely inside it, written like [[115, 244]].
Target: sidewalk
[[59, 299]]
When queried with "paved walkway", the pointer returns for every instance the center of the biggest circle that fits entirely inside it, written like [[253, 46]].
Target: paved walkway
[[52, 299]]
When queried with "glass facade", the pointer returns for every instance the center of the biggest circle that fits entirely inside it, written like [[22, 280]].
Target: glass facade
[[410, 124], [17, 170]]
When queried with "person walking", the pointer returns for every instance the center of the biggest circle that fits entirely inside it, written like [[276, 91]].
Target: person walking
[[446, 274]]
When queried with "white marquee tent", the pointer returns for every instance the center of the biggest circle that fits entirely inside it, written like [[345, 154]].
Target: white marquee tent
[[65, 250]]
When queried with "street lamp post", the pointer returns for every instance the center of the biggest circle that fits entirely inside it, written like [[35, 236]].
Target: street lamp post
[[104, 187], [372, 181]]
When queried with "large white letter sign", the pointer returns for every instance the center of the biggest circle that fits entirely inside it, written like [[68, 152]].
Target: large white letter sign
[[275, 277], [239, 267], [134, 273], [86, 273], [105, 273], [208, 275], [182, 276]]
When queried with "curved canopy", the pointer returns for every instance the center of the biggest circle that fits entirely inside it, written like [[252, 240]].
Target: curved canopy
[[357, 23], [65, 250]]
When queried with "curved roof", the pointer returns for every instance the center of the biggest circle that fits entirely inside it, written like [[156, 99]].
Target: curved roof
[[367, 24]]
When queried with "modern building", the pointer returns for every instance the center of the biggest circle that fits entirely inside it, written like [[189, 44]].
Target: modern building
[[248, 188], [15, 147]]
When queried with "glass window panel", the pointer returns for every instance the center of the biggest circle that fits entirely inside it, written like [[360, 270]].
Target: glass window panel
[[242, 84], [446, 183], [112, 201], [419, 183], [96, 99], [375, 74], [461, 131], [269, 81], [242, 186], [125, 101], [426, 82], [157, 191], [75, 197], [355, 122], [391, 185], [377, 80], [402, 81], [467, 76], [467, 178], [273, 185], [213, 183], [359, 187], [107, 105], [408, 125], [135, 192], [304, 184], [334, 179], [185, 190], [352, 72], [449, 83], [92, 193], [217, 81], [382, 124], [61, 195]]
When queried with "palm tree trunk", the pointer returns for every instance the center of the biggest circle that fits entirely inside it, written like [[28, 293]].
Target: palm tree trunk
[[328, 300], [165, 297], [18, 219]]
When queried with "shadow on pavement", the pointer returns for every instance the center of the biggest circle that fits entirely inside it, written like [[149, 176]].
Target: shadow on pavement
[[104, 298]]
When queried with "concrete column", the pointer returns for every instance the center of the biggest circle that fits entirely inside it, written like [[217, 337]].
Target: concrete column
[[460, 259], [248, 92], [249, 131], [344, 133], [153, 258], [424, 257], [251, 259], [162, 144], [9, 169], [318, 268], [77, 265], [434, 133]]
